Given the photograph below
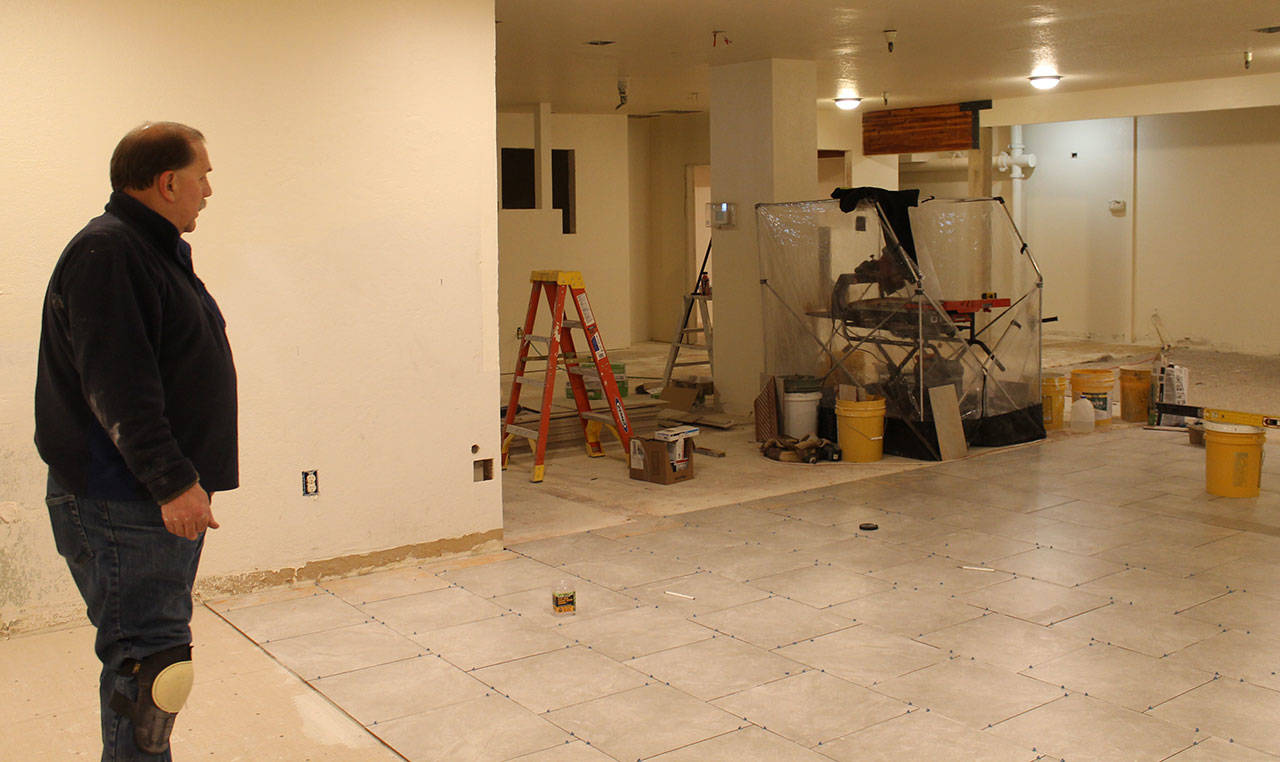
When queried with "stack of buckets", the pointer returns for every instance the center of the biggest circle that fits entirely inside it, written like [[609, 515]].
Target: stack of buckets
[[1233, 453]]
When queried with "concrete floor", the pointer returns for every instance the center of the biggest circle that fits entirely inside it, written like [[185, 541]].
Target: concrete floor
[[1076, 598]]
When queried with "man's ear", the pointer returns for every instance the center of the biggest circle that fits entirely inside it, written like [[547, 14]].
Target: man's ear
[[165, 186]]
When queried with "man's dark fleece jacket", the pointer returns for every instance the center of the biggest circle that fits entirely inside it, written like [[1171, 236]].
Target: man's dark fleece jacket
[[136, 388]]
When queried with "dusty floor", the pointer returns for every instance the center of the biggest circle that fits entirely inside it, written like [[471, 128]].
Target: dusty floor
[[1076, 598]]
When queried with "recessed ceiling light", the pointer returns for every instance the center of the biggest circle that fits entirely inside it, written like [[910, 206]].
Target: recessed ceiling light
[[600, 43], [847, 104], [1045, 81]]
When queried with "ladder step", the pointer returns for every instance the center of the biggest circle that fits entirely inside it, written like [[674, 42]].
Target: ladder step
[[694, 330], [699, 297], [695, 346], [572, 323], [531, 382], [522, 431], [532, 338], [600, 416], [692, 362]]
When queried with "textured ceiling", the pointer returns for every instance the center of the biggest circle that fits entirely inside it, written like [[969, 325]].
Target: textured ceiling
[[946, 50]]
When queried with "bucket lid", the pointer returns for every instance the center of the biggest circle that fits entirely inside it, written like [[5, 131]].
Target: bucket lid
[[801, 383], [1232, 428]]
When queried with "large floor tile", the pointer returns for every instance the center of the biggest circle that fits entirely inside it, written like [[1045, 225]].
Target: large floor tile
[[1221, 750], [812, 707], [1147, 631], [423, 612], [644, 722], [709, 669], [745, 564], [748, 743], [950, 688], [582, 546], [486, 729], [941, 575], [1033, 600], [591, 600], [507, 575], [865, 554], [1250, 656], [1004, 641], [400, 688], [821, 586], [380, 585], [556, 679], [298, 616], [773, 622], [974, 547], [331, 652], [907, 611], [925, 737], [49, 672], [695, 594], [1079, 727], [864, 654], [570, 751], [630, 634], [1255, 575], [1240, 610], [1090, 514], [1057, 566], [491, 641], [1118, 676], [1153, 590], [631, 569]]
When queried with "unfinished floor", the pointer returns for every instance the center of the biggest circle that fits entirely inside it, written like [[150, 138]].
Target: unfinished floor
[[1076, 598]]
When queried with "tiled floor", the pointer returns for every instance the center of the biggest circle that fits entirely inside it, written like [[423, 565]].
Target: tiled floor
[[1073, 599]]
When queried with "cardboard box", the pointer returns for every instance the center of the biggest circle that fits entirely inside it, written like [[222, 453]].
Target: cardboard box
[[653, 460]]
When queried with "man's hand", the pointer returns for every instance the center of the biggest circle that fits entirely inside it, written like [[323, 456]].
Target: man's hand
[[189, 514]]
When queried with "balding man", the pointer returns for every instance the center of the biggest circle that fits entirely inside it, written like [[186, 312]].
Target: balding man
[[136, 418]]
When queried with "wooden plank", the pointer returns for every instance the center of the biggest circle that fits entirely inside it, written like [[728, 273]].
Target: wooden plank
[[924, 129], [946, 421]]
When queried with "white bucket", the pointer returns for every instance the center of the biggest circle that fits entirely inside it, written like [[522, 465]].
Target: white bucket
[[800, 413]]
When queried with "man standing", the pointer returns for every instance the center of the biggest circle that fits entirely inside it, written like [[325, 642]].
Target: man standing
[[136, 417]]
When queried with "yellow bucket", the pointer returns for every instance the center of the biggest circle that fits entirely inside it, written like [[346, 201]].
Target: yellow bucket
[[1233, 459], [1095, 385], [860, 429], [1135, 394], [1053, 395]]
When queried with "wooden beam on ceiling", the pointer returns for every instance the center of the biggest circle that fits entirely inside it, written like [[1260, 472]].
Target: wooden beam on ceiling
[[925, 129]]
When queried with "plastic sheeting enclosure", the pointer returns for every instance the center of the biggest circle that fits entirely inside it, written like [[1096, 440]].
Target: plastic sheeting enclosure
[[844, 299]]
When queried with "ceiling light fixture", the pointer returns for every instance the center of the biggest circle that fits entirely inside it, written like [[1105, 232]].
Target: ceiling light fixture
[[599, 43], [1045, 81], [847, 104]]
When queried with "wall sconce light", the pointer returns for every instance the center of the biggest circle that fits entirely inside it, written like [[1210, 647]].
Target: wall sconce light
[[1045, 81], [847, 104]]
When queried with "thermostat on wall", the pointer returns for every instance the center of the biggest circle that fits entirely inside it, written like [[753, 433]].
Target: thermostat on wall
[[721, 214]]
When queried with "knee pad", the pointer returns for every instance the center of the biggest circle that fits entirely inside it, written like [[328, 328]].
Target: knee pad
[[164, 682]]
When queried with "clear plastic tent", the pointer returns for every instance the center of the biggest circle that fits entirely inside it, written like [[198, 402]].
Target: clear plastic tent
[[845, 301]]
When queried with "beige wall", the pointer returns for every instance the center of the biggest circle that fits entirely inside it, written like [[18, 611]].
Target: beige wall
[[531, 239], [351, 241], [676, 143], [1208, 258], [1084, 250]]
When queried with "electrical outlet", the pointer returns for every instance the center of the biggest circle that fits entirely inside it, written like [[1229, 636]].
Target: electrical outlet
[[310, 483]]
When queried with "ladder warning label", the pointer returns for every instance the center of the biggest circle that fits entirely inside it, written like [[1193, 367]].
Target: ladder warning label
[[585, 309], [597, 347]]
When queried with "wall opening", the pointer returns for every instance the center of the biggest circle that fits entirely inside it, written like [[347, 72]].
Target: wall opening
[[518, 178]]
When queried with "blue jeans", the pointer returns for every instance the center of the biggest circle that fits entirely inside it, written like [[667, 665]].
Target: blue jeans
[[135, 578]]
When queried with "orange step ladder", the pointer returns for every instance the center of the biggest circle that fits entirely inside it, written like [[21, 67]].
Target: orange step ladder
[[562, 287]]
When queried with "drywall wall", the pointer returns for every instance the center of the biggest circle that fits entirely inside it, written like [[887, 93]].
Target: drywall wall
[[638, 137], [532, 239], [351, 241], [1084, 249], [676, 143], [1208, 191], [763, 150], [842, 131]]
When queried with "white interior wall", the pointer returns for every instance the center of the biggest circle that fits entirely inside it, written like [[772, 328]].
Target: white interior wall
[[1084, 250], [351, 241], [677, 142], [1208, 259], [601, 249]]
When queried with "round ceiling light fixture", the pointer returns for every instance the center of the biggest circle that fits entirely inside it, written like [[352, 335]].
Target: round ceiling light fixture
[[847, 104], [1045, 81]]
